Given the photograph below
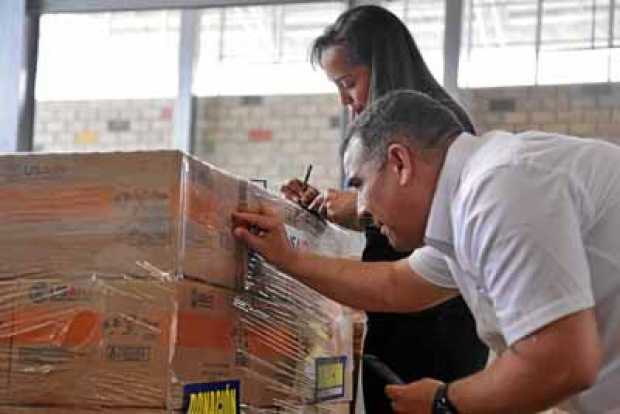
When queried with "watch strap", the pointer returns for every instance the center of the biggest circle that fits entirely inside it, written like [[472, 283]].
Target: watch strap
[[441, 402]]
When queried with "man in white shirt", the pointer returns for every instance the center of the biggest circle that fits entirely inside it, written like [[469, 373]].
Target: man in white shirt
[[525, 226]]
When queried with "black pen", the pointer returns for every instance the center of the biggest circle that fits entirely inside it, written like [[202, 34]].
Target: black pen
[[307, 177], [305, 187]]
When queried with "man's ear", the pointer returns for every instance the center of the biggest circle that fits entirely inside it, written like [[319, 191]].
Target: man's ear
[[400, 161]]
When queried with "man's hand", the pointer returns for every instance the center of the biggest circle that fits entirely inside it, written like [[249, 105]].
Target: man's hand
[[265, 233], [561, 359], [378, 287], [414, 398]]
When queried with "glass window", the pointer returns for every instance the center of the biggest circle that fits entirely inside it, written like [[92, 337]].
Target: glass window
[[573, 66], [574, 24], [614, 59], [261, 22], [574, 42], [108, 56], [426, 22], [106, 81], [498, 43], [262, 50], [614, 65], [616, 34]]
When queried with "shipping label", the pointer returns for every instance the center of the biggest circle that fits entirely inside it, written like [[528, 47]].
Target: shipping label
[[212, 398], [330, 377]]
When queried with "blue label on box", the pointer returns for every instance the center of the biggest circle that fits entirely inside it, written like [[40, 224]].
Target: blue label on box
[[211, 398], [330, 378]]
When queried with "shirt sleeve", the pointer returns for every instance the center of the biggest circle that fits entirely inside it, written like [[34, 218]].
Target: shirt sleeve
[[431, 264], [521, 234]]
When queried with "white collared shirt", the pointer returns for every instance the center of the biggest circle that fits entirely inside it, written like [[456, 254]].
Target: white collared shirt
[[527, 227]]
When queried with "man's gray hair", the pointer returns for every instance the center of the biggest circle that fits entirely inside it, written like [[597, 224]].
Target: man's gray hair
[[404, 116]]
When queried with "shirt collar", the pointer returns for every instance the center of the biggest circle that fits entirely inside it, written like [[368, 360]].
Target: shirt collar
[[439, 227]]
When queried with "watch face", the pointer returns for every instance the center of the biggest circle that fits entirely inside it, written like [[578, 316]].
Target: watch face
[[442, 407], [442, 404], [447, 409]]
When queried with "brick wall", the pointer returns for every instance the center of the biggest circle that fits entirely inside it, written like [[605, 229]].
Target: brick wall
[[591, 110], [275, 137], [103, 125]]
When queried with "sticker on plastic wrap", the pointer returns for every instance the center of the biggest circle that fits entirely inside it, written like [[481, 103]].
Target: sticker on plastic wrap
[[330, 377], [211, 398], [297, 238]]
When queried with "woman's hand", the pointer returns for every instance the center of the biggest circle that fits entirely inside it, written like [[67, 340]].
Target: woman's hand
[[339, 207], [297, 192]]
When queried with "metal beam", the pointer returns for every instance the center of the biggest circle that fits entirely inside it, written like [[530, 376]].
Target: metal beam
[[30, 64], [539, 22], [344, 112], [612, 20], [593, 25], [452, 45], [90, 6], [19, 33], [186, 104]]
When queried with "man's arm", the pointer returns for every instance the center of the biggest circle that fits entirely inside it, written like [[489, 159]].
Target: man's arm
[[380, 286], [375, 287], [537, 372], [527, 244], [548, 366]]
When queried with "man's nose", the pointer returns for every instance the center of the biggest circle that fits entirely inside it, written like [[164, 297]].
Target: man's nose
[[362, 207], [366, 220]]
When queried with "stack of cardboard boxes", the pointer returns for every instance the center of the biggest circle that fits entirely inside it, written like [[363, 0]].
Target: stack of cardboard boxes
[[122, 290]]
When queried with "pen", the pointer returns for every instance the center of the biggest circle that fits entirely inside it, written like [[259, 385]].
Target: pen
[[308, 171]]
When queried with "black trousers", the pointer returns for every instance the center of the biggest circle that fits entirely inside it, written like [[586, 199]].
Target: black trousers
[[439, 343]]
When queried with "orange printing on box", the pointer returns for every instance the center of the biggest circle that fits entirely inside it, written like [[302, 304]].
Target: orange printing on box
[[108, 332], [50, 202]]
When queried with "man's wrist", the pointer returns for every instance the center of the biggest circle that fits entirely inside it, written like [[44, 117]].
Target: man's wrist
[[442, 403], [292, 263]]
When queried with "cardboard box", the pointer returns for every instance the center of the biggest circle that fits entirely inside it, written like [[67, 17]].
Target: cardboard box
[[327, 408], [204, 345], [324, 408], [107, 213], [8, 291], [76, 215], [102, 248], [79, 410], [208, 344], [91, 342], [211, 253], [137, 343], [269, 346], [54, 341]]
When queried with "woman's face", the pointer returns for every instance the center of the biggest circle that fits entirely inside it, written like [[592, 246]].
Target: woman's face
[[353, 81]]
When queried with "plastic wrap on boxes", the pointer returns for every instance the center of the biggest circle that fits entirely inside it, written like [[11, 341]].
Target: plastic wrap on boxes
[[121, 288], [80, 410], [321, 408], [89, 342], [73, 214]]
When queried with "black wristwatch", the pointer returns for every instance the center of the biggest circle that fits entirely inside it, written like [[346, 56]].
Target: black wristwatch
[[441, 403]]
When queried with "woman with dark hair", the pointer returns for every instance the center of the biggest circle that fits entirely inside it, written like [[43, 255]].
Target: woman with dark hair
[[368, 52]]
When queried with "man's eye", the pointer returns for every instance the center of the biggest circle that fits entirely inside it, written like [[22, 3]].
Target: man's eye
[[346, 83]]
